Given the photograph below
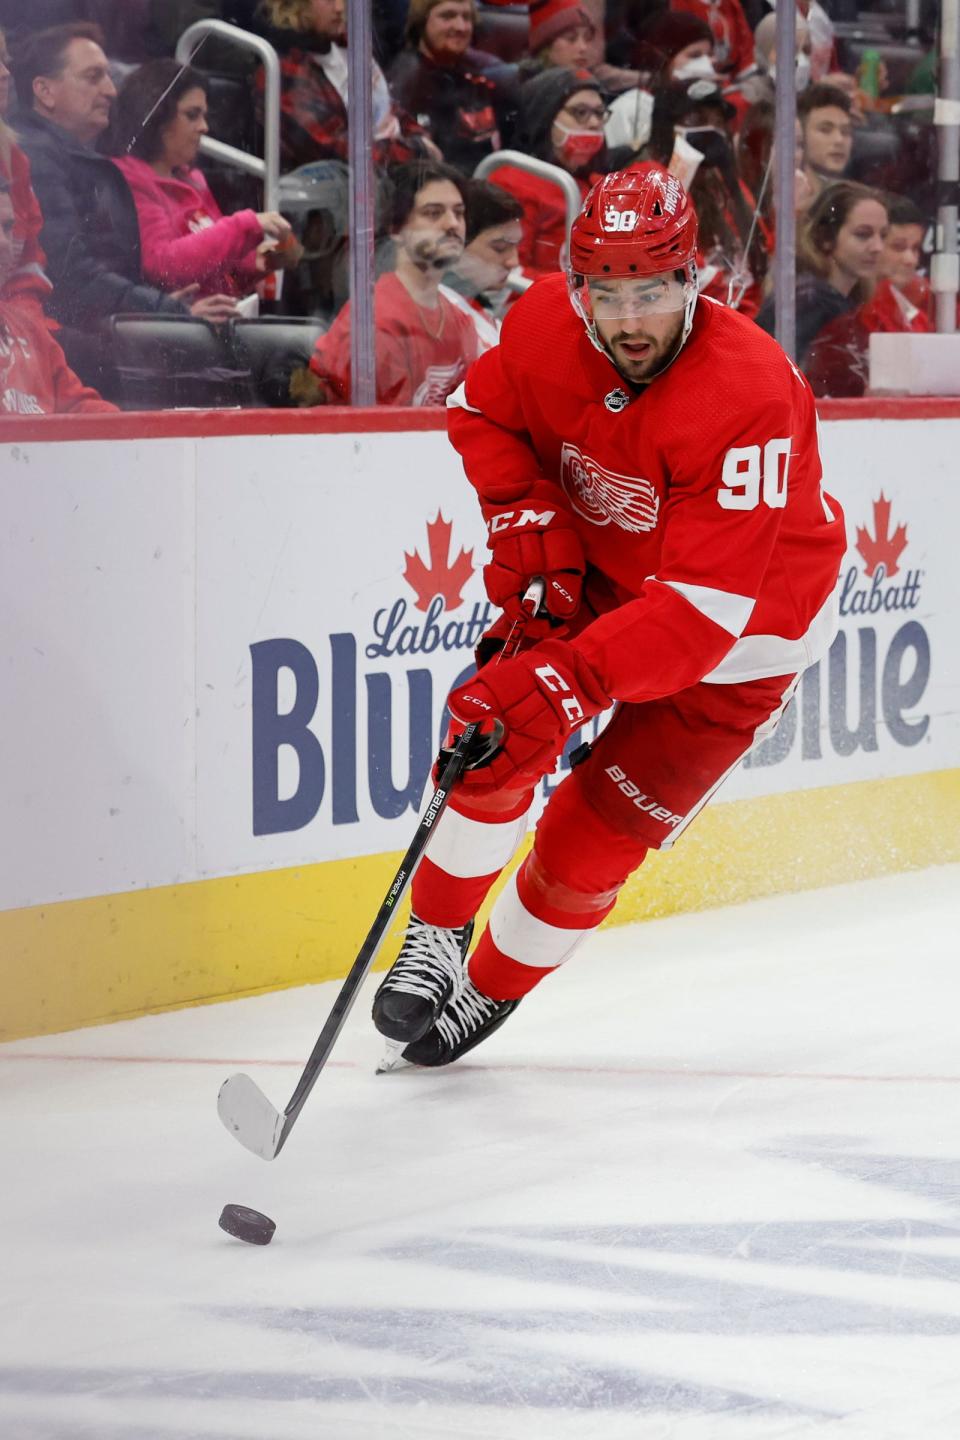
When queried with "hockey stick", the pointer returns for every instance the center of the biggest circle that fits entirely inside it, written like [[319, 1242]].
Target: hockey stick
[[241, 1104]]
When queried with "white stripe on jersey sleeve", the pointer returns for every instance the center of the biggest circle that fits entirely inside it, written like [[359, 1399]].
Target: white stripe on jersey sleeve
[[457, 400], [724, 607], [755, 657]]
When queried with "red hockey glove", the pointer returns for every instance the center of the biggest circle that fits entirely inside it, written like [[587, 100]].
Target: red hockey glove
[[530, 537], [540, 697]]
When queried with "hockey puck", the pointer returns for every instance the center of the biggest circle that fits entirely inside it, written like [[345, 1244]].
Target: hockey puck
[[246, 1224]]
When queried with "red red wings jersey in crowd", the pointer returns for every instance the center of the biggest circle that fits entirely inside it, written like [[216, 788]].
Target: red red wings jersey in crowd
[[421, 355], [698, 497], [35, 378]]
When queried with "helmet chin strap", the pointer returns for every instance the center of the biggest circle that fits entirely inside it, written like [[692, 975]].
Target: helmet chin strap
[[591, 328]]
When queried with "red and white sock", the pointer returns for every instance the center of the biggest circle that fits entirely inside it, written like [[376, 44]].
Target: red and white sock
[[466, 855]]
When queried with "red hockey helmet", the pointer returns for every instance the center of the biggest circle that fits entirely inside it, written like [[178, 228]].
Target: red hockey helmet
[[634, 222]]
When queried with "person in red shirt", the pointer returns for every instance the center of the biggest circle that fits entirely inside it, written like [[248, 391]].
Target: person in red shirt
[[28, 279], [424, 342], [661, 474], [35, 378]]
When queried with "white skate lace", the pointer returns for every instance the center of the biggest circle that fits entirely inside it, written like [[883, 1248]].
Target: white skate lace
[[431, 955], [465, 1013]]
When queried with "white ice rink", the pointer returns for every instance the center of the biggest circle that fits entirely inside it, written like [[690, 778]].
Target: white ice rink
[[704, 1185]]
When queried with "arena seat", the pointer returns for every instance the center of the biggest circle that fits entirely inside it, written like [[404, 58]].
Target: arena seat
[[270, 348], [503, 30], [174, 362]]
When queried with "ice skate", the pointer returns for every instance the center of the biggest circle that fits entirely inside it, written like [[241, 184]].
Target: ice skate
[[468, 1018], [425, 975]]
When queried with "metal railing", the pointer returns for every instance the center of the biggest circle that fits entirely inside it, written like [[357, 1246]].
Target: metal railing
[[561, 178], [267, 167]]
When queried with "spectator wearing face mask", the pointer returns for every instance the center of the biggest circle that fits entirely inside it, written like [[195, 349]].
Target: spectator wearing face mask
[[562, 116], [733, 50], [669, 47], [761, 86], [691, 136]]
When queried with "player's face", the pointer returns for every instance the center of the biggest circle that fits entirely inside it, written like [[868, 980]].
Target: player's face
[[901, 253], [79, 98], [571, 48], [491, 255], [434, 233], [827, 140], [181, 138], [858, 247], [640, 321], [449, 28], [6, 237]]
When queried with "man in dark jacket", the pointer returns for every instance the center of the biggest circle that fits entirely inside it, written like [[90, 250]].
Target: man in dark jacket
[[90, 231]]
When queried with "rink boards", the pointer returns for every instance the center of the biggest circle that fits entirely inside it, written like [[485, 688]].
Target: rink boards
[[226, 654]]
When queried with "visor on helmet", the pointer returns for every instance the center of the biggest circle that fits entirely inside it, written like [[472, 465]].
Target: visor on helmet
[[631, 297]]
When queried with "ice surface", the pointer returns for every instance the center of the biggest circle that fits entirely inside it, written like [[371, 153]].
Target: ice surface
[[704, 1185]]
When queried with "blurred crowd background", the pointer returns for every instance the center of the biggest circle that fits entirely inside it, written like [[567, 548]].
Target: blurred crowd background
[[139, 271]]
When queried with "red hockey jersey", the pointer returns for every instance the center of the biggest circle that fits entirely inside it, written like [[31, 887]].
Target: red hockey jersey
[[697, 498]]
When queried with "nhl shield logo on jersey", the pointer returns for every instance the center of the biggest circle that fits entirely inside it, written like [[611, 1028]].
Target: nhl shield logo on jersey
[[602, 496], [616, 401]]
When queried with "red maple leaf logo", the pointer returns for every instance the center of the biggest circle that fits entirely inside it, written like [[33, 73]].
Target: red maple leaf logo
[[881, 548], [443, 577]]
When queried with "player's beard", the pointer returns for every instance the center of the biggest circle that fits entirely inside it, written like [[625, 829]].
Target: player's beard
[[640, 369]]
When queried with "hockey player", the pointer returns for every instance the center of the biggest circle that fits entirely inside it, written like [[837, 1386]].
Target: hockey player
[[660, 472]]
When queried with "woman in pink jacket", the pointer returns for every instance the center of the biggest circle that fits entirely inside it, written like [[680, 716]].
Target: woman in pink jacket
[[185, 239]]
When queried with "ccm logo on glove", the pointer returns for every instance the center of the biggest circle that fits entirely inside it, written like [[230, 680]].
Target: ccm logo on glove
[[553, 681], [510, 520], [540, 697], [532, 536]]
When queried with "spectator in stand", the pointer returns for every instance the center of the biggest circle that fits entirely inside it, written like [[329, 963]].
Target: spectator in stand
[[460, 95], [35, 378], [733, 52], [562, 117], [477, 282], [838, 362], [760, 86], [26, 279], [313, 99], [690, 135], [424, 342], [670, 46], [185, 240], [90, 231], [839, 250], [826, 129], [563, 32], [903, 253]]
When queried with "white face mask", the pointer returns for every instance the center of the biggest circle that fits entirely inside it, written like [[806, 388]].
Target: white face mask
[[803, 72], [700, 68]]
